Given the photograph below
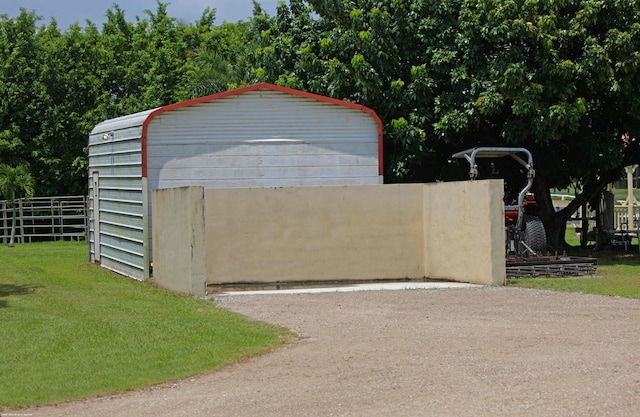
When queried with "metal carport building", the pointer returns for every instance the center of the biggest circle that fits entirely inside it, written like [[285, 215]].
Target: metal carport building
[[257, 136]]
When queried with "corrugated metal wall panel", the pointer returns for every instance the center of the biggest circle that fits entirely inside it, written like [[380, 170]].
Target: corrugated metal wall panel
[[126, 212], [262, 138], [134, 222], [115, 154], [122, 239], [248, 156], [133, 184], [131, 158], [277, 182], [119, 266], [218, 177], [130, 196]]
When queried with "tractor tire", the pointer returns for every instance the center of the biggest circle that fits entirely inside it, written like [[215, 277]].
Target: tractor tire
[[534, 234]]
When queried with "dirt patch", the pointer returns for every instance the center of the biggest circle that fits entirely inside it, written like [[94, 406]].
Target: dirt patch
[[454, 352]]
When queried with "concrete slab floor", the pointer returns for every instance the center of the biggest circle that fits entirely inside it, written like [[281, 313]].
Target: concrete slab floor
[[384, 286]]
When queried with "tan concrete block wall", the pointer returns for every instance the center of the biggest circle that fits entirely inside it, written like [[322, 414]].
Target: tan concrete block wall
[[179, 249], [314, 233], [464, 231], [450, 231]]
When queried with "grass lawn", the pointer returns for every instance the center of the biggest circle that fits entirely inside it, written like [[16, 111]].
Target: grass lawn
[[72, 329], [618, 272]]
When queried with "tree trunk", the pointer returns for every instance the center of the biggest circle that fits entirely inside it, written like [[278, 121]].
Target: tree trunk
[[556, 230], [13, 226], [555, 222]]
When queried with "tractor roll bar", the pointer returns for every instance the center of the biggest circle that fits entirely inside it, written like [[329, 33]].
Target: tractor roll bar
[[498, 152]]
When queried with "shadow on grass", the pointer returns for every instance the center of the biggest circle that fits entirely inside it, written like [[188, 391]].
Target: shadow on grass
[[7, 290], [609, 255]]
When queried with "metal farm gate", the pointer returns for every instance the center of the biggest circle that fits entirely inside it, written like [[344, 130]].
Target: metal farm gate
[[45, 218]]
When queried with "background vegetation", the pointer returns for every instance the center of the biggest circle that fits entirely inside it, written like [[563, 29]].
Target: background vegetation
[[558, 77]]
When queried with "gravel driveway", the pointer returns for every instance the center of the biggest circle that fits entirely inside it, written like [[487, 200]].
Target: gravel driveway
[[448, 352]]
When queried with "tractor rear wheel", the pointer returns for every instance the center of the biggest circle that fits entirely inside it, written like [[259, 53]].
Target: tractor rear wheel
[[534, 235]]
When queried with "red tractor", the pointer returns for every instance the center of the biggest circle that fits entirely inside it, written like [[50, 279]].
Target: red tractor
[[525, 233]]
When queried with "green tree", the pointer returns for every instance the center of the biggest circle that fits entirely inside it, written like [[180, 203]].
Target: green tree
[[70, 89], [141, 63], [162, 54], [14, 183], [50, 91], [56, 85], [210, 73], [557, 77], [217, 60], [19, 86], [387, 55]]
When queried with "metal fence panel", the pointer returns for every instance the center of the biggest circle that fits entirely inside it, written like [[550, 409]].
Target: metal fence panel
[[45, 218]]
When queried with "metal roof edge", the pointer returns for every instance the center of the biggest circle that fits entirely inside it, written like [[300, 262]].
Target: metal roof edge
[[129, 120]]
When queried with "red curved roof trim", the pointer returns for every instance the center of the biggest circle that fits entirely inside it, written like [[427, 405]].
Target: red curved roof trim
[[260, 86]]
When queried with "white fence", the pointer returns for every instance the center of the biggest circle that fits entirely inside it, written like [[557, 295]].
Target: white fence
[[621, 218], [45, 218]]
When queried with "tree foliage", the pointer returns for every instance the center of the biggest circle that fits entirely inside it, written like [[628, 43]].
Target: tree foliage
[[558, 77], [57, 85]]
